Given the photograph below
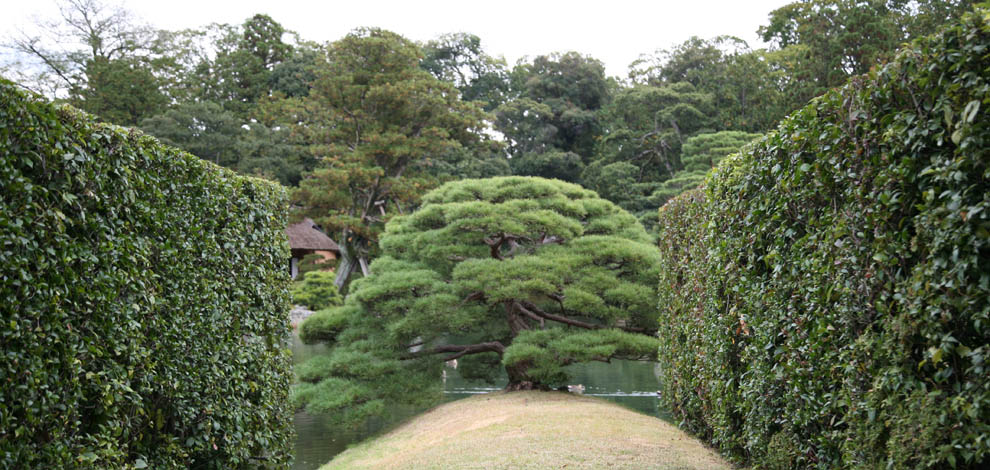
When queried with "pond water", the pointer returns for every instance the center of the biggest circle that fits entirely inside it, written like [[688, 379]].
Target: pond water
[[629, 383]]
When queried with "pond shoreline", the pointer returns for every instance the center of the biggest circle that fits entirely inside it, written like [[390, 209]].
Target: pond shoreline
[[631, 384], [298, 314]]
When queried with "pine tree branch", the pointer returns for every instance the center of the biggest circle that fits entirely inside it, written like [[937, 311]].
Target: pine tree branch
[[459, 350], [531, 308], [495, 244]]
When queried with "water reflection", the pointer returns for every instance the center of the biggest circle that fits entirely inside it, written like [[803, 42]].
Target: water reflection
[[628, 383], [317, 440]]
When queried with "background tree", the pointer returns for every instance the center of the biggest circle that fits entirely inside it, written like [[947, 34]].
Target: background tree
[[197, 89], [553, 163], [553, 111], [97, 55], [222, 79], [484, 159], [293, 76], [700, 154], [526, 125], [377, 120], [745, 85], [242, 71], [919, 18], [648, 124], [212, 133], [618, 182], [121, 91], [840, 38], [203, 129], [824, 42], [459, 59], [644, 129], [273, 153], [514, 274]]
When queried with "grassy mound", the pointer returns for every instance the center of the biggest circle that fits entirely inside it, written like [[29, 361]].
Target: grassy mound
[[531, 430]]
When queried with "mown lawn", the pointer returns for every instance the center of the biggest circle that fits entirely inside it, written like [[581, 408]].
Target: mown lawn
[[531, 430]]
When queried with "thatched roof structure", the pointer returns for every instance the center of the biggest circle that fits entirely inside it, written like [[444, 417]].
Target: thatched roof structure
[[305, 236]]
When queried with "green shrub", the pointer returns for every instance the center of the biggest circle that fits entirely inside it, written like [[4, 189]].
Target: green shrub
[[702, 152], [315, 262], [317, 291], [144, 301], [325, 325], [826, 302], [699, 154]]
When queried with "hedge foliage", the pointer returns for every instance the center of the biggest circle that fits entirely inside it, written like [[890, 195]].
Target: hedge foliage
[[144, 301], [826, 299]]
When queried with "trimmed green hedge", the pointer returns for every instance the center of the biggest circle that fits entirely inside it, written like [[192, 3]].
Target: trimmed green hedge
[[144, 301], [826, 299]]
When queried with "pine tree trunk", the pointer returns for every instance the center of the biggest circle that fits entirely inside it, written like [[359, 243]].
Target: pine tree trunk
[[344, 271], [520, 380], [347, 262]]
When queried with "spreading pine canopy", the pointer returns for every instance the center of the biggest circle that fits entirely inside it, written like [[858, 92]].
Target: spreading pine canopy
[[519, 274]]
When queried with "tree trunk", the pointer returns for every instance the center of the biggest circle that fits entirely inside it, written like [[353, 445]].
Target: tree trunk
[[347, 262], [363, 262], [344, 271], [520, 380]]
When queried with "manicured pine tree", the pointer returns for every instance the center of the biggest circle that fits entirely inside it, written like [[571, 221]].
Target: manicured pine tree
[[519, 274]]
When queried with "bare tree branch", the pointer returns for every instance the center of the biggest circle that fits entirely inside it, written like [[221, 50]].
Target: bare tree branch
[[85, 30]]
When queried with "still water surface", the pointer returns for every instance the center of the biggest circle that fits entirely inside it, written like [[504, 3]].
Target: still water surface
[[629, 383]]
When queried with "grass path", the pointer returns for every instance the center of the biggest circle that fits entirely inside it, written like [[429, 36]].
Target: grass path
[[531, 430]]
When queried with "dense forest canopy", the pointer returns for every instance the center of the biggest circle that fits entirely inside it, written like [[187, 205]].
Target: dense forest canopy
[[363, 126]]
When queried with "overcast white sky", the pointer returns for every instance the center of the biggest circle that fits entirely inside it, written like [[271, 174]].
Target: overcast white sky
[[613, 31]]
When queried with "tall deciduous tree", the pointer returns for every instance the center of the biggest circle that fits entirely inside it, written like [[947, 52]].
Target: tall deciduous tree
[[553, 113], [648, 124], [745, 85], [644, 128], [826, 41], [95, 54], [459, 59], [514, 274], [222, 79], [241, 73], [212, 133], [378, 120], [842, 37], [121, 91], [919, 18], [203, 129]]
